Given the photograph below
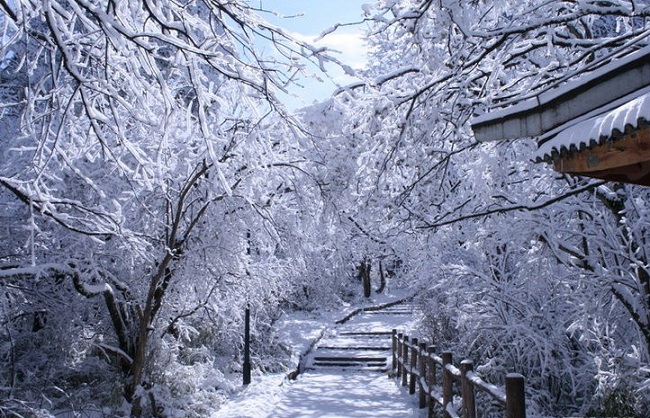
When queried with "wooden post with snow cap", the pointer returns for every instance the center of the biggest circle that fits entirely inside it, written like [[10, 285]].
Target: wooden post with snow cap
[[405, 360], [515, 396], [413, 365], [469, 407], [422, 375], [393, 341], [400, 347], [432, 381], [447, 381]]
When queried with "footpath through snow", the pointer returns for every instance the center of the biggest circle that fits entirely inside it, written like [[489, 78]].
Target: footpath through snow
[[344, 376]]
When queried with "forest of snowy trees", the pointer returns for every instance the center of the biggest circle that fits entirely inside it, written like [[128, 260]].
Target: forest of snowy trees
[[152, 185]]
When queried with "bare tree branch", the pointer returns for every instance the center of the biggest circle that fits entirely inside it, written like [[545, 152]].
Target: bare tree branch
[[513, 208]]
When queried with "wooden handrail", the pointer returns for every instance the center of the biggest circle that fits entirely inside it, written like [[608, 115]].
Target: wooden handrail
[[494, 391], [417, 366]]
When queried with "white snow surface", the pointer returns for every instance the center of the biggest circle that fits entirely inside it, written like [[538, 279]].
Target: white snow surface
[[340, 394], [590, 132], [260, 397], [324, 393], [537, 99], [351, 393]]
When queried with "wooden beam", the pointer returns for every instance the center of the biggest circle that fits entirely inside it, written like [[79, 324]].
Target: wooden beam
[[628, 153], [635, 173]]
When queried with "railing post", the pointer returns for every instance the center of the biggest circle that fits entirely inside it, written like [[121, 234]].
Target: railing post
[[431, 377], [447, 381], [422, 375], [515, 396], [414, 362], [400, 347], [469, 407], [405, 361], [393, 341], [431, 368]]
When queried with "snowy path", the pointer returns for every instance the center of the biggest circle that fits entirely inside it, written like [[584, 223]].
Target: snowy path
[[346, 375], [343, 395]]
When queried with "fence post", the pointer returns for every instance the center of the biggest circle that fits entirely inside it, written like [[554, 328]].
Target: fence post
[[413, 364], [400, 336], [447, 381], [431, 377], [469, 407], [393, 341], [422, 375], [515, 396], [405, 361]]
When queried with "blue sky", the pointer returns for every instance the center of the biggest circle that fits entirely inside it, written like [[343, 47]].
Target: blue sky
[[317, 14], [308, 19]]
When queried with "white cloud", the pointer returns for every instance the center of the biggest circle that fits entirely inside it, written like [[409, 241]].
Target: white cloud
[[348, 48], [352, 48]]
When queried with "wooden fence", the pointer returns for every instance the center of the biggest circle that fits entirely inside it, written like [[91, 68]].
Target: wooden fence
[[417, 365]]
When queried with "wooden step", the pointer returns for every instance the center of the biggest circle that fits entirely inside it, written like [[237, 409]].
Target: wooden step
[[347, 366], [395, 312], [360, 348], [346, 363], [343, 359]]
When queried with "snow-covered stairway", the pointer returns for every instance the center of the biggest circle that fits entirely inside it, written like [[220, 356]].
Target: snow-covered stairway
[[345, 375], [360, 350], [363, 342]]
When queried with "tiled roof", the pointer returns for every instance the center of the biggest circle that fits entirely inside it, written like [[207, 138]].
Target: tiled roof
[[596, 130]]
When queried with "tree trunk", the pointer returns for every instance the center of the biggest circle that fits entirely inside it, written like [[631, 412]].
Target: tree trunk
[[382, 279], [364, 273], [154, 300]]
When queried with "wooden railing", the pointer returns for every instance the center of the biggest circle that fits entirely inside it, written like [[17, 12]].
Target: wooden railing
[[417, 366]]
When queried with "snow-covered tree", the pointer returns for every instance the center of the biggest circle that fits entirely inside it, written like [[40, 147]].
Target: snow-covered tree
[[150, 172], [488, 218]]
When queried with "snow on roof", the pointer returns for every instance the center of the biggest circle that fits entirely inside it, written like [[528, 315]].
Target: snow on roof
[[558, 89], [566, 101], [631, 114]]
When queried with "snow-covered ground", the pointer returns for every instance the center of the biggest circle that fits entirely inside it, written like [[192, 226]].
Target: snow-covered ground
[[260, 397], [340, 394], [328, 391], [337, 394]]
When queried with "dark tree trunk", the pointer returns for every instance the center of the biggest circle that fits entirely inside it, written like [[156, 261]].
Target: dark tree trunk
[[364, 275], [382, 279]]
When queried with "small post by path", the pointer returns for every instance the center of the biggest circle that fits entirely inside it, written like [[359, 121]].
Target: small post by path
[[447, 381], [413, 365], [469, 406], [405, 361], [393, 339], [423, 385], [515, 396], [431, 377], [247, 346], [400, 347]]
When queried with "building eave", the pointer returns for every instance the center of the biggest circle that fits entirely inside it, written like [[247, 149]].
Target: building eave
[[551, 109]]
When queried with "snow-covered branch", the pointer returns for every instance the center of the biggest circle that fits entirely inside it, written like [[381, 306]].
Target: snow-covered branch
[[529, 207]]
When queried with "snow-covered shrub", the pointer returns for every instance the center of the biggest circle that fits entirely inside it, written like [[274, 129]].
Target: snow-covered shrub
[[617, 402]]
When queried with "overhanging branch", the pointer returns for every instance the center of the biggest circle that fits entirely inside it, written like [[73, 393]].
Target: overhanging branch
[[513, 208], [8, 10], [366, 233]]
